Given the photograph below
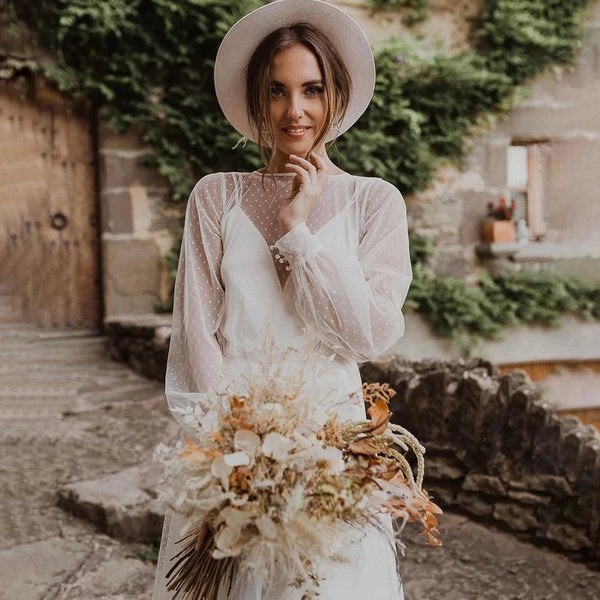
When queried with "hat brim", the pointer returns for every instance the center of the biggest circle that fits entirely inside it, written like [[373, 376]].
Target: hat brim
[[242, 39]]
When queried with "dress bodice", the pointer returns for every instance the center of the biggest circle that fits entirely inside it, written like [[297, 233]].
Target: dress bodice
[[337, 282]]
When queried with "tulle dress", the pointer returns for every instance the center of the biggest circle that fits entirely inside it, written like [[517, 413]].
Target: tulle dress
[[336, 283]]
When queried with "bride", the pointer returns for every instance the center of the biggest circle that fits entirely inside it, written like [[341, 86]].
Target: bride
[[299, 252]]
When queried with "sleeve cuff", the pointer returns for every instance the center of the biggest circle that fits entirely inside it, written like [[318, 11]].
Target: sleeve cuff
[[298, 244]]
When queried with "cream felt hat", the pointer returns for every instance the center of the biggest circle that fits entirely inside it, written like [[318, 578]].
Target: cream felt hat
[[242, 39]]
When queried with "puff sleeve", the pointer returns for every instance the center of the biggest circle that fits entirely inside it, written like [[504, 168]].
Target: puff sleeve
[[351, 300], [195, 363]]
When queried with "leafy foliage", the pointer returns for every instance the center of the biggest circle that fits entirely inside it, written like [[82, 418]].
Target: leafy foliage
[[511, 298], [521, 38], [418, 10]]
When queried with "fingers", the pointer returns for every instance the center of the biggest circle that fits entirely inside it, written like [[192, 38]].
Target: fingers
[[304, 164]]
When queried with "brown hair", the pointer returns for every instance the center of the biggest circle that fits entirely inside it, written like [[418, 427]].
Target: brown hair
[[335, 75]]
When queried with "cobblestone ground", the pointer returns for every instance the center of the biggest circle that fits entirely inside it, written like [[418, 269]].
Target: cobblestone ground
[[67, 412]]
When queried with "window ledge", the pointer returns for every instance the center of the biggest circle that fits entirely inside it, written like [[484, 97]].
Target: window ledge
[[520, 252]]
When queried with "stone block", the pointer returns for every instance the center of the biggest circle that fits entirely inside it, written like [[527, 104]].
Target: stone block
[[529, 498], [474, 504], [572, 443], [568, 537], [580, 510], [443, 495], [552, 484], [121, 505], [516, 517], [485, 484], [516, 443], [121, 169], [588, 475], [116, 212], [492, 426], [472, 398], [445, 468], [511, 382], [132, 275], [545, 454], [536, 432]]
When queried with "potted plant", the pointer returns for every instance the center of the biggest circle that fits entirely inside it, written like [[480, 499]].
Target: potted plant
[[499, 225]]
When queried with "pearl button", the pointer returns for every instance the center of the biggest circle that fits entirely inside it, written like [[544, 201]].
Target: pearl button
[[288, 268], [271, 247], [278, 256], [281, 260]]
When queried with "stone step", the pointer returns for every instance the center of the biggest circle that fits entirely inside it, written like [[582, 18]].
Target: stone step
[[122, 505]]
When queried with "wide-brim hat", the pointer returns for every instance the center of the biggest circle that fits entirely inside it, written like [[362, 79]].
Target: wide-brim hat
[[241, 40]]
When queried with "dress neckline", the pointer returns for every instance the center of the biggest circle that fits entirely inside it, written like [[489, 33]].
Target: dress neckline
[[343, 174]]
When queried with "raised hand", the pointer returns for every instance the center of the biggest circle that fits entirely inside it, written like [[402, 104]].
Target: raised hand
[[311, 177]]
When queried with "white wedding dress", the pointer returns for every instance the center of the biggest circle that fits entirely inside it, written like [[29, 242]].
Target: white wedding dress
[[337, 283]]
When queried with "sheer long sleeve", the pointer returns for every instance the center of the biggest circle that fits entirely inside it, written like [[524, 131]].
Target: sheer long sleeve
[[353, 300], [195, 362]]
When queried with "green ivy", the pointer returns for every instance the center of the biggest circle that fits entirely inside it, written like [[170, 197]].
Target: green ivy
[[417, 10], [148, 64], [525, 297]]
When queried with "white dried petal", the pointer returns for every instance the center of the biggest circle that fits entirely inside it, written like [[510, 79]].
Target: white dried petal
[[236, 459], [276, 446], [247, 441], [226, 539], [221, 470], [235, 518], [332, 456]]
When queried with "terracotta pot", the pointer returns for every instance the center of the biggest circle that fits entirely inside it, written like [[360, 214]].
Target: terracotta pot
[[499, 231]]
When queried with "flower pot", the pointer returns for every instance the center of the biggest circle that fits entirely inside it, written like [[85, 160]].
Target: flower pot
[[499, 231]]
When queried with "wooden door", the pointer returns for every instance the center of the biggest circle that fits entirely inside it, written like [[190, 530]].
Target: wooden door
[[49, 242]]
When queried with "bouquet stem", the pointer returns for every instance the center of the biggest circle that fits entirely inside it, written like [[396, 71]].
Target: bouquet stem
[[196, 575]]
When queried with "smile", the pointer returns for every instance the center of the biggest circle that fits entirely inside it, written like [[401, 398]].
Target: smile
[[296, 131]]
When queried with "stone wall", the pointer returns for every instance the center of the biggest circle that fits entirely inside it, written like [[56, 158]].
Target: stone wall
[[138, 226], [498, 452]]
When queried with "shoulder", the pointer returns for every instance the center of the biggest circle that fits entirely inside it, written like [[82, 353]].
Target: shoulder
[[210, 183], [377, 195], [214, 189]]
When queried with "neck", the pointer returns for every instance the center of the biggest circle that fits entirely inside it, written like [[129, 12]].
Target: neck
[[277, 162]]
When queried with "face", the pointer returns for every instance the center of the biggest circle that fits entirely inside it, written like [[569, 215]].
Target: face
[[298, 104]]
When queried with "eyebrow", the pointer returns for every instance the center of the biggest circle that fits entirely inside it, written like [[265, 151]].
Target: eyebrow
[[306, 83]]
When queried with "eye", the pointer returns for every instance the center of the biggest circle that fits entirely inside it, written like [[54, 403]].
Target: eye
[[313, 90], [276, 91]]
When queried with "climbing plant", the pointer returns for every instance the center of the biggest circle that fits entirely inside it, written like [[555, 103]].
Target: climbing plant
[[148, 64], [415, 10], [525, 297]]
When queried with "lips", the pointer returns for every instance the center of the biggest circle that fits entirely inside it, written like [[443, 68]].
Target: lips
[[297, 131]]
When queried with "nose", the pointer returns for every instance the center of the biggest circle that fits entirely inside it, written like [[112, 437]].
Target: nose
[[295, 108]]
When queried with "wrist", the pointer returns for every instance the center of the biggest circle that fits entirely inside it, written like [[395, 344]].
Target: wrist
[[287, 224]]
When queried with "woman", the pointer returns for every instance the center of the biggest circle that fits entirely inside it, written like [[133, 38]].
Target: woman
[[297, 253]]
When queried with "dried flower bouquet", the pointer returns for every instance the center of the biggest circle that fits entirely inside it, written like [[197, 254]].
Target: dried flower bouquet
[[271, 479]]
